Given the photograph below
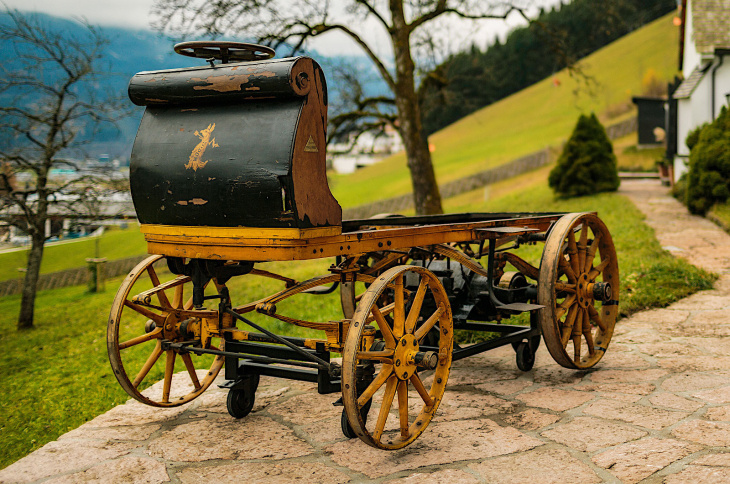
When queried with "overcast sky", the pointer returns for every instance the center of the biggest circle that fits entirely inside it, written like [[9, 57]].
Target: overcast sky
[[135, 14]]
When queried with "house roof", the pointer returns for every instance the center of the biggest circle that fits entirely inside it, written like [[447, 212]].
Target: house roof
[[711, 25], [688, 85]]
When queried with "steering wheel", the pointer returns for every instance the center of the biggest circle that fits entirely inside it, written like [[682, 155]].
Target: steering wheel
[[224, 51]]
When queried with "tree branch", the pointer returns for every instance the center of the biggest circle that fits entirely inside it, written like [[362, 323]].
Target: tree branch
[[371, 8]]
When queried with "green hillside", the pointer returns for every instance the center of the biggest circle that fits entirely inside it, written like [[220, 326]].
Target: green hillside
[[114, 244], [539, 116]]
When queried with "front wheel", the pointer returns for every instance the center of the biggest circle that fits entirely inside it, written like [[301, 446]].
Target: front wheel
[[395, 355], [579, 287]]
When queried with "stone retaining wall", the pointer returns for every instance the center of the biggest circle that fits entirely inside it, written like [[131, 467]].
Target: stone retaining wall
[[480, 179], [71, 277]]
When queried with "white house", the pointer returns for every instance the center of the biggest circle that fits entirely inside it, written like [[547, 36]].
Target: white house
[[704, 59]]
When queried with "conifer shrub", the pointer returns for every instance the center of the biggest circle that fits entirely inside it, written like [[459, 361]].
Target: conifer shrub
[[708, 180], [587, 164]]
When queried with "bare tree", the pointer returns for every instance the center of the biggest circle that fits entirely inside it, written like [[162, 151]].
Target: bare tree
[[294, 22], [49, 91]]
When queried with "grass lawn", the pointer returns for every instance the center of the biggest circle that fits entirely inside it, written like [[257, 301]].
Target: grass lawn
[[57, 376], [539, 116], [631, 158], [114, 244], [720, 214], [650, 276]]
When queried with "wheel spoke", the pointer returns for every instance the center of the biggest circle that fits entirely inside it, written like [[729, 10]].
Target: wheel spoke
[[592, 252], [567, 328], [598, 269], [418, 385], [384, 311], [141, 339], [587, 333], [169, 369], [567, 270], [147, 313], [191, 369], [384, 356], [403, 408], [577, 334], [583, 245], [154, 356], [161, 296], [382, 377], [573, 252], [562, 287], [576, 348], [399, 309], [564, 306], [385, 405], [430, 322], [596, 318], [416, 306], [177, 300], [384, 327]]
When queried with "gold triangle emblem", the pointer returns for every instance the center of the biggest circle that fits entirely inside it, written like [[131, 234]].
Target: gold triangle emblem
[[310, 146]]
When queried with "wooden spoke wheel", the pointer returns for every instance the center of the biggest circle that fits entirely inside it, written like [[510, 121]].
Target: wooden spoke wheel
[[579, 287], [372, 264], [145, 312], [393, 353]]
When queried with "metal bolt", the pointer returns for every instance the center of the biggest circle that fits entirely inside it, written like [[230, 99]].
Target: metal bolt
[[403, 342], [405, 375], [397, 362], [439, 380]]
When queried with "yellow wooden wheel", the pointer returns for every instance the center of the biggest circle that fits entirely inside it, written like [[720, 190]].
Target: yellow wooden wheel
[[393, 354], [147, 311], [579, 287]]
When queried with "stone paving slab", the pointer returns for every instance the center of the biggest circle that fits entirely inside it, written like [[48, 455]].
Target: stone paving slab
[[656, 409]]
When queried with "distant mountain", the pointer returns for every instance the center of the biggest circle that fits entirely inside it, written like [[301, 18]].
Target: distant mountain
[[131, 51]]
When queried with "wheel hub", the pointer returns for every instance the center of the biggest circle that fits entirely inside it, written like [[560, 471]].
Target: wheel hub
[[404, 359], [584, 291], [171, 326]]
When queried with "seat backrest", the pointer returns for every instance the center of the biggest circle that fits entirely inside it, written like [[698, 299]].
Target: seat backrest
[[234, 145]]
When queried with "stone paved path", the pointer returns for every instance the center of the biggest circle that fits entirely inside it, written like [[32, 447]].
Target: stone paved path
[[657, 409]]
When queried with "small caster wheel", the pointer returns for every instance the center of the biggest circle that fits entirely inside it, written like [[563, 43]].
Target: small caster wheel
[[525, 357], [534, 343], [345, 424], [240, 400]]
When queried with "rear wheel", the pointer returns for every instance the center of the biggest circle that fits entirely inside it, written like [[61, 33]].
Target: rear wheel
[[149, 308]]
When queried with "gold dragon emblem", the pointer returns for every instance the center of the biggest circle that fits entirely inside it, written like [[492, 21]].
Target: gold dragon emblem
[[196, 156]]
